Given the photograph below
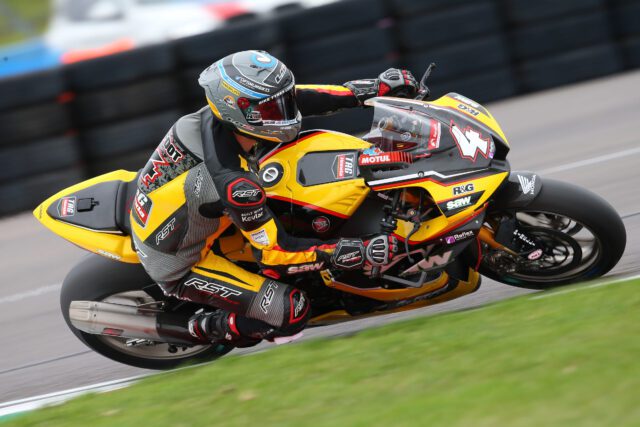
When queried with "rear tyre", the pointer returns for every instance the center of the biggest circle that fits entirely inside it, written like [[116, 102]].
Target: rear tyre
[[582, 237], [97, 278]]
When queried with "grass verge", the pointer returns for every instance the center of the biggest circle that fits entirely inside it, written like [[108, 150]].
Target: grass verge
[[570, 359]]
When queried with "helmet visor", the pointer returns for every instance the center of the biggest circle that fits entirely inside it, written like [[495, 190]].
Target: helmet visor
[[281, 110]]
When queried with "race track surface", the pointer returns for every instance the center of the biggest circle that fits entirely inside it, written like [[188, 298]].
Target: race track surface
[[586, 134]]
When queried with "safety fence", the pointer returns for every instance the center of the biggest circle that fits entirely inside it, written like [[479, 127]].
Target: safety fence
[[60, 126]]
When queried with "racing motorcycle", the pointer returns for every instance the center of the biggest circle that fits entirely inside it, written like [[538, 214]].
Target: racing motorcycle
[[433, 174]]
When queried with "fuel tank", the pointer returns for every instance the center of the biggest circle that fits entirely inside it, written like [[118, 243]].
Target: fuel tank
[[313, 184]]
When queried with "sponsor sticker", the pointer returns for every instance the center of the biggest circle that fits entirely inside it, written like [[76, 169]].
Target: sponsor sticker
[[527, 185], [459, 203], [435, 131], [109, 255], [454, 238], [67, 206], [463, 189], [230, 88], [384, 158], [344, 166], [535, 255], [321, 224], [167, 154], [305, 268], [260, 237], [469, 110], [231, 103], [141, 208]]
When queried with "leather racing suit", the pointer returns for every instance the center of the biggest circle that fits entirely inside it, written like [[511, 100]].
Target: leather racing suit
[[192, 179]]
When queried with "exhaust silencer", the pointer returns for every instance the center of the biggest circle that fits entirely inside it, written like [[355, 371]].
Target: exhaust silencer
[[103, 318]]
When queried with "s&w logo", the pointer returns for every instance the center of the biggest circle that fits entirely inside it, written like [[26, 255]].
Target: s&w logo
[[528, 185], [458, 203], [304, 268], [470, 142]]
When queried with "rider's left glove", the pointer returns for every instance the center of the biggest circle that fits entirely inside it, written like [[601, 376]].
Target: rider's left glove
[[351, 254], [393, 82]]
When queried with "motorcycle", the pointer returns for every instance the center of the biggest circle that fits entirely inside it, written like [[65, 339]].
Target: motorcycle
[[433, 174]]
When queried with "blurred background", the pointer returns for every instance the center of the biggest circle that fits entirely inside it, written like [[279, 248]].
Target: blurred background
[[89, 86]]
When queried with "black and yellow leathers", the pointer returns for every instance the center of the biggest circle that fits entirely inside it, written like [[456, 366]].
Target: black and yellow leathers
[[191, 181]]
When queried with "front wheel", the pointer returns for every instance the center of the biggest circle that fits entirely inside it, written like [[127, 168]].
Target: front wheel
[[96, 278], [565, 235]]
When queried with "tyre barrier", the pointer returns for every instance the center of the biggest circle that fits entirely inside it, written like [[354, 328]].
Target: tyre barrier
[[62, 125]]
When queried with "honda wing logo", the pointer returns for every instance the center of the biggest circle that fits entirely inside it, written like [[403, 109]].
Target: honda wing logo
[[528, 185], [470, 142]]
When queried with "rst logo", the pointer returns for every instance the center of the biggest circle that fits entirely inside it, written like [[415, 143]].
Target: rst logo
[[459, 203], [267, 297], [462, 189], [246, 193]]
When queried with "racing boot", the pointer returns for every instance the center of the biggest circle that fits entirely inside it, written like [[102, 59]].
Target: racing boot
[[218, 326]]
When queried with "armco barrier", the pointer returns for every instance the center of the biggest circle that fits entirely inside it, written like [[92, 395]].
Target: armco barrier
[[62, 125]]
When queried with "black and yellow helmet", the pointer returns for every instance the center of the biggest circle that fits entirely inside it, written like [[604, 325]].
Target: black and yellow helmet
[[255, 93]]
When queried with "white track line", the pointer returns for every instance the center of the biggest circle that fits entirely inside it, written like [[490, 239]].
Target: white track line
[[591, 161], [591, 286], [31, 403], [33, 293]]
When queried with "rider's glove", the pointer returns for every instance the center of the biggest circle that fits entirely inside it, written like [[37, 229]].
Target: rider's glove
[[351, 254], [393, 82]]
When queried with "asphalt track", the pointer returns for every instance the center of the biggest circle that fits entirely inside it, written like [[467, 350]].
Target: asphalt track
[[587, 134]]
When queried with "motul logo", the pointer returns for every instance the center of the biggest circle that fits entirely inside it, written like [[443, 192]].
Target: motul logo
[[372, 160]]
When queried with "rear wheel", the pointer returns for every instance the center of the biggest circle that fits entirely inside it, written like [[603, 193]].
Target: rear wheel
[[577, 236], [99, 279]]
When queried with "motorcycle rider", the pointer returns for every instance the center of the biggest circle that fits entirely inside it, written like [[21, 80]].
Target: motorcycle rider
[[195, 177]]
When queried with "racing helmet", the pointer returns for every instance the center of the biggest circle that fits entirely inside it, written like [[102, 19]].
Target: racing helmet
[[255, 94]]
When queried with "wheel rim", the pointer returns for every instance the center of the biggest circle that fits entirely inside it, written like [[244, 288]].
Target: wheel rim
[[570, 249], [155, 351]]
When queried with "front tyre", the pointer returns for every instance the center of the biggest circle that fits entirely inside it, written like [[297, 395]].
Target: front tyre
[[579, 234], [97, 278]]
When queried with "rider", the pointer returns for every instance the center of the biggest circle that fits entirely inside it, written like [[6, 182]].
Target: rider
[[195, 177]]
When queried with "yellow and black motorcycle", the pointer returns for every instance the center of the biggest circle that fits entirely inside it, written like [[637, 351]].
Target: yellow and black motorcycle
[[434, 174]]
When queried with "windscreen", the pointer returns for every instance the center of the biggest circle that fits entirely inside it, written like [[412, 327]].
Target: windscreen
[[396, 128]]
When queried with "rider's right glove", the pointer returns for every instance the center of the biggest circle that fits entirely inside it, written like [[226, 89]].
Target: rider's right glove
[[351, 254]]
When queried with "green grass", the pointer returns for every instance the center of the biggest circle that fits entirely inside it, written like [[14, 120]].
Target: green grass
[[568, 360], [34, 13]]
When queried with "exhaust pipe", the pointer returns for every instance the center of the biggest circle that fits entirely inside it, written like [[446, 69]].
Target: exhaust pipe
[[103, 318]]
